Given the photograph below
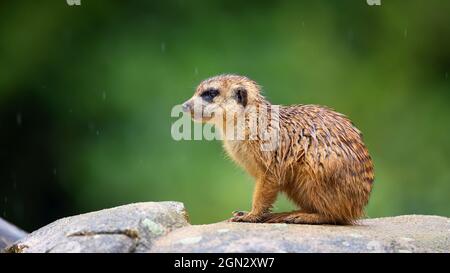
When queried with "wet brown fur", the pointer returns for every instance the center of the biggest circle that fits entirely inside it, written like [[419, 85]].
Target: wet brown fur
[[321, 164]]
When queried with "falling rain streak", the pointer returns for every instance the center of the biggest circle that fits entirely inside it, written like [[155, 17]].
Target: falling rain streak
[[19, 119]]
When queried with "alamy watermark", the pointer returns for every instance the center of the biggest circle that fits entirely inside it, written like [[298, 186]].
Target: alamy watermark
[[73, 2], [261, 124], [373, 2]]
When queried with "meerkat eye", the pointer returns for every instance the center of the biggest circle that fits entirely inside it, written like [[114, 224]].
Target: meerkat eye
[[209, 94], [241, 96]]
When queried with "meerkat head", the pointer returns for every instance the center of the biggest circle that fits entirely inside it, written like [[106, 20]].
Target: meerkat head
[[222, 95]]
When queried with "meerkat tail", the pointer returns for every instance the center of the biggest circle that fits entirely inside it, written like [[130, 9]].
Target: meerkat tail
[[298, 217]]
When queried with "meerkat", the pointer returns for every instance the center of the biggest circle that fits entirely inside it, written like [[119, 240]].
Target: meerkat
[[319, 159]]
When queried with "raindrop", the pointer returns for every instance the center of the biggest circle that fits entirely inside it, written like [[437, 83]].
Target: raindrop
[[141, 162], [104, 95], [303, 23], [54, 171], [91, 126], [350, 35], [19, 119], [97, 132], [446, 75], [70, 110], [405, 33], [196, 71], [4, 211], [163, 47]]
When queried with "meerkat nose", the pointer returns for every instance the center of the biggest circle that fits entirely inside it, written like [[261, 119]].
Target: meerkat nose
[[187, 106]]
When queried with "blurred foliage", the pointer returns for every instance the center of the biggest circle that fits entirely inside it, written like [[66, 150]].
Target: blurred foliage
[[86, 94]]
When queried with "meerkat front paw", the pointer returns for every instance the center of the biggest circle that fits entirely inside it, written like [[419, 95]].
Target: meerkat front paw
[[243, 216]]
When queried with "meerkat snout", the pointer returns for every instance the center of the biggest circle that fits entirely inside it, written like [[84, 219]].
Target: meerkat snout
[[187, 106]]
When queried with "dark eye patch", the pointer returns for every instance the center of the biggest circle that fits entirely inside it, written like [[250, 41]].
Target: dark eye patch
[[209, 94], [241, 96]]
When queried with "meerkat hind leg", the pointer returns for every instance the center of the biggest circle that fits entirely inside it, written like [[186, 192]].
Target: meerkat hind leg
[[297, 217]]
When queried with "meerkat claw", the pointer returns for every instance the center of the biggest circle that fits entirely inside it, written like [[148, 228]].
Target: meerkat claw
[[246, 217], [239, 213]]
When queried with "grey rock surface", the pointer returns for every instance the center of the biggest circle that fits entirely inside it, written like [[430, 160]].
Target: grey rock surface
[[129, 228], [164, 227], [412, 233], [9, 233]]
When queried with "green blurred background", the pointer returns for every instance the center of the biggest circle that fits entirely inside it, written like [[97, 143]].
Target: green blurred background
[[86, 94]]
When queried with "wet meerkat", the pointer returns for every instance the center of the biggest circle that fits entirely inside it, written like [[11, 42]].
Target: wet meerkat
[[318, 160]]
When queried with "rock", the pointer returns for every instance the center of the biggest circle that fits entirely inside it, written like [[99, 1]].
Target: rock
[[9, 234], [163, 227], [129, 228], [413, 233]]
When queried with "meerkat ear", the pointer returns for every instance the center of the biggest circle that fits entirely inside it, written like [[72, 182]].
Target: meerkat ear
[[241, 96]]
